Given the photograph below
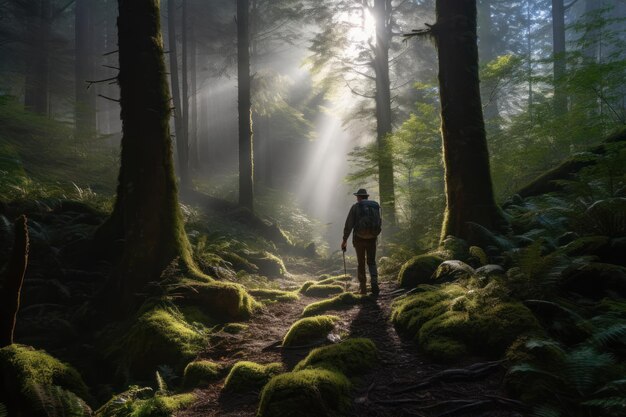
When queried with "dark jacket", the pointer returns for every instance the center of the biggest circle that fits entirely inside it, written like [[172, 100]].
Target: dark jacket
[[352, 218]]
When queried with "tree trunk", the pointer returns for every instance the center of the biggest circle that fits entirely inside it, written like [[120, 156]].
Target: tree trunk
[[12, 285], [486, 54], [558, 54], [85, 102], [246, 177], [194, 156], [146, 216], [182, 147], [469, 194], [382, 13], [36, 89]]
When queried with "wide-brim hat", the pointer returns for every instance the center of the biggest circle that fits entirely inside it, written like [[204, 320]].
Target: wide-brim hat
[[361, 192]]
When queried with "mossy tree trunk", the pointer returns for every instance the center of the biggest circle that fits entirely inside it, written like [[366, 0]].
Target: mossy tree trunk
[[146, 215], [182, 147], [12, 283], [382, 15], [558, 52], [246, 170], [469, 191]]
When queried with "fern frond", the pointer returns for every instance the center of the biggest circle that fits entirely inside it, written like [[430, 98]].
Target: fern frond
[[3, 411], [583, 367], [545, 411], [616, 332], [161, 384]]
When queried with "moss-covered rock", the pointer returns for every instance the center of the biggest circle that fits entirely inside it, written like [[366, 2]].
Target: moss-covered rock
[[234, 328], [477, 257], [418, 270], [141, 402], [452, 321], [306, 393], [33, 383], [338, 302], [350, 357], [268, 264], [322, 290], [159, 336], [222, 300], [249, 376], [274, 295], [309, 329], [449, 271], [334, 279], [201, 373], [458, 248]]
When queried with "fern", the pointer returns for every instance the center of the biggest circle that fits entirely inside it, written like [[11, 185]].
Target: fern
[[161, 384], [3, 411], [611, 334], [535, 274]]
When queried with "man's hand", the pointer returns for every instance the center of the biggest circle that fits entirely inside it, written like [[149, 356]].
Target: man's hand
[[344, 245]]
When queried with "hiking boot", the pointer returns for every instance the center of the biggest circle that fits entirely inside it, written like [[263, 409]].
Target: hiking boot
[[375, 290]]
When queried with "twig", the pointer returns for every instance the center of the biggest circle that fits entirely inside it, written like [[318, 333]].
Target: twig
[[109, 98]]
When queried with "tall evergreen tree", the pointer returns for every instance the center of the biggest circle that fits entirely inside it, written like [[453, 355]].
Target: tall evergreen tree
[[146, 216], [469, 191], [246, 171], [558, 52]]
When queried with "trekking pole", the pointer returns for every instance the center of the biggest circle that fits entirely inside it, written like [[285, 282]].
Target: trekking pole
[[345, 270]]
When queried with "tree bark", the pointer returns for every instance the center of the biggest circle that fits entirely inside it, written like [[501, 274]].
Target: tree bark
[[246, 170], [146, 216], [558, 55], [36, 89], [13, 280], [469, 192], [486, 54], [85, 100], [182, 147], [382, 14]]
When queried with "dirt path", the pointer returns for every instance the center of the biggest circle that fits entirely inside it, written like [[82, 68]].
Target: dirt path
[[375, 394]]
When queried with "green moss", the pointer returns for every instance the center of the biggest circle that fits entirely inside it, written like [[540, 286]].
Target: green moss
[[451, 321], [478, 254], [222, 300], [306, 393], [249, 376], [41, 385], [341, 301], [268, 264], [139, 402], [234, 328], [322, 290], [350, 357], [274, 295], [199, 373], [306, 286], [418, 270], [309, 329], [334, 279], [159, 336]]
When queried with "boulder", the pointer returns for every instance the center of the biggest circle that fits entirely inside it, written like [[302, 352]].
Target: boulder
[[418, 270], [490, 270], [449, 271]]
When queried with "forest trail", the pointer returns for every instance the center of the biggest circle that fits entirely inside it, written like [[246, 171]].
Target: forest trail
[[377, 393]]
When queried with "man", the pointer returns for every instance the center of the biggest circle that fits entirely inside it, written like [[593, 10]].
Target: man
[[364, 221]]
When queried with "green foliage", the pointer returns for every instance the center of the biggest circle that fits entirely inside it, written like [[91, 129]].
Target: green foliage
[[309, 329], [338, 302], [350, 357], [249, 376], [200, 373], [306, 393], [40, 384]]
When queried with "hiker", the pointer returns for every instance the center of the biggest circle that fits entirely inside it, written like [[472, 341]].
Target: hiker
[[364, 221]]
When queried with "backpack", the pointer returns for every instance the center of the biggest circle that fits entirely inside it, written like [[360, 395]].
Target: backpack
[[368, 222]]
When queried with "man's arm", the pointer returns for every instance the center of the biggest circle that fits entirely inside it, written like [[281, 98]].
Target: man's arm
[[347, 229]]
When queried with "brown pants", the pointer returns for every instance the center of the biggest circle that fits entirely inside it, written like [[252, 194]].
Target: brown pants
[[366, 249]]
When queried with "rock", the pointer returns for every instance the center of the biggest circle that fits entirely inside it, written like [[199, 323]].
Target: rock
[[418, 270], [489, 271], [595, 280], [458, 248], [477, 257], [480, 236], [449, 271]]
